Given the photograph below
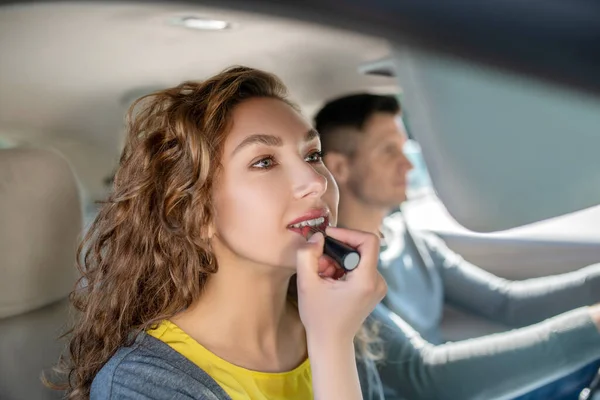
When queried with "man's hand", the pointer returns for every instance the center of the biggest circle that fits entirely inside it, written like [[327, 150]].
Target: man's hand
[[595, 314]]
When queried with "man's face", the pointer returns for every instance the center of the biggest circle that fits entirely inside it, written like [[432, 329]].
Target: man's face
[[378, 168]]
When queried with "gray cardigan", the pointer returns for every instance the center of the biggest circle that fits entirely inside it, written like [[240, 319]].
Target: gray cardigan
[[151, 369]]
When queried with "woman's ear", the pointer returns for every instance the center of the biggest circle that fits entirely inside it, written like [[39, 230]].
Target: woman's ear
[[209, 230], [338, 165]]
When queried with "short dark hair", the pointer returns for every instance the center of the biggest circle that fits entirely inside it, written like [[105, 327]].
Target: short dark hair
[[349, 112]]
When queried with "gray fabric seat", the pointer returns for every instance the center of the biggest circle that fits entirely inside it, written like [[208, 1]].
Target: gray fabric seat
[[40, 222]]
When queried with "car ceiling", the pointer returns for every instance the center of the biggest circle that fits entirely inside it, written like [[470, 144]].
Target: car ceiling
[[69, 70], [510, 53]]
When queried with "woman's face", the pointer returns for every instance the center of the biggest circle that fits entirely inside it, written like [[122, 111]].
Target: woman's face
[[272, 177]]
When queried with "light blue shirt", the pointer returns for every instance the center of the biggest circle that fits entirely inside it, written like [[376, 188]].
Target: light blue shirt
[[422, 274]]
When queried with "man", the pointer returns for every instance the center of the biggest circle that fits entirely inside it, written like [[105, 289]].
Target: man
[[362, 137]]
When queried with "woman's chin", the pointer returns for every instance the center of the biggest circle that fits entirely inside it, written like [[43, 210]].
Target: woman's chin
[[285, 264]]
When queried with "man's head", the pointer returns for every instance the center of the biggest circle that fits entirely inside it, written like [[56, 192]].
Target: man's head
[[362, 138]]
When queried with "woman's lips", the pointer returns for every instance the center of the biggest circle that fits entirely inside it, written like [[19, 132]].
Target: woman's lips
[[305, 231], [310, 215]]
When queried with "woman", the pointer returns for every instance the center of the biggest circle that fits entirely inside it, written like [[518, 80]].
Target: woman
[[197, 282]]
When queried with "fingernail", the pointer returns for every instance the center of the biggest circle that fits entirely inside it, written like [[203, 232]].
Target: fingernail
[[315, 237]]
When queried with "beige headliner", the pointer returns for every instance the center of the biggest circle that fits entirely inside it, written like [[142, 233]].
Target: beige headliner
[[67, 68]]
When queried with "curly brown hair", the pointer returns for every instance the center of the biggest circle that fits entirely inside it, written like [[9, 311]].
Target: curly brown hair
[[146, 255]]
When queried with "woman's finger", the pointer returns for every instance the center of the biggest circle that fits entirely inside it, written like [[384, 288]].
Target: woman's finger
[[307, 262], [358, 239]]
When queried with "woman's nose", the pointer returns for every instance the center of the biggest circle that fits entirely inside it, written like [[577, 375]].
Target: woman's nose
[[308, 182]]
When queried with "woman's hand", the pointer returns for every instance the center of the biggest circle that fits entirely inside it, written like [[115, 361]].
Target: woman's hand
[[333, 310], [337, 308]]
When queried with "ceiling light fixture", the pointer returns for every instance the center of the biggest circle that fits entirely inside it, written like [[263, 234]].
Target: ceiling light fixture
[[203, 24]]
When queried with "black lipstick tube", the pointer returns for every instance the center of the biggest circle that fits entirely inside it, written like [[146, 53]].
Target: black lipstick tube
[[345, 256]]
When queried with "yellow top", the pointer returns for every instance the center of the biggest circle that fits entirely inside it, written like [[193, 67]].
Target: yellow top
[[239, 383]]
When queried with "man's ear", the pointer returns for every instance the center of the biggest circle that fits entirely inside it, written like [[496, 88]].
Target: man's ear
[[339, 166]]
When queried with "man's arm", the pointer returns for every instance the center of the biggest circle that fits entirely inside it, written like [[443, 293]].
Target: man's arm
[[513, 303], [498, 366]]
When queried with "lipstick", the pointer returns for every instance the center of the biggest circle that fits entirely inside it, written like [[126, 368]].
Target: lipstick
[[345, 256]]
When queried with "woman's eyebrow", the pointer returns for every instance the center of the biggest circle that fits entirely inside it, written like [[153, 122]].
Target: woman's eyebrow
[[270, 140], [311, 134]]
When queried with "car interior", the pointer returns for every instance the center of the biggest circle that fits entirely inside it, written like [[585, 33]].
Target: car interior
[[507, 120]]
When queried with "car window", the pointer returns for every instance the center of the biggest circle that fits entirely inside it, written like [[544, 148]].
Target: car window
[[419, 181], [502, 150]]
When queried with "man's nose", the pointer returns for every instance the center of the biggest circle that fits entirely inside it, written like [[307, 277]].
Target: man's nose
[[405, 164]]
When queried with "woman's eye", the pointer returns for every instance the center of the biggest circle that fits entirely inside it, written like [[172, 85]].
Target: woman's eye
[[315, 157], [264, 163]]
